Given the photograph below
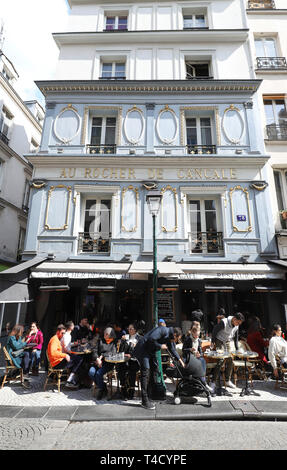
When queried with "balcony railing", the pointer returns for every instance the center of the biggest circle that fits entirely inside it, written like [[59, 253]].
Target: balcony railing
[[201, 149], [122, 77], [102, 149], [191, 77], [276, 132], [206, 242], [267, 63], [4, 138], [261, 4], [94, 242]]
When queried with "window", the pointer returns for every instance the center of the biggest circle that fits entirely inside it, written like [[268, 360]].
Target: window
[[203, 218], [265, 47], [116, 22], [21, 243], [5, 124], [113, 71], [197, 70], [276, 118], [280, 179], [199, 135], [194, 21], [97, 226], [103, 135], [25, 205], [34, 146]]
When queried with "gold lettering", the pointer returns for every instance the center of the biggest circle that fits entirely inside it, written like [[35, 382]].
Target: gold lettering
[[63, 173], [87, 173], [122, 173], [223, 175], [96, 173], [189, 174], [198, 173], [159, 173], [216, 175], [232, 173], [151, 173], [72, 172], [113, 173], [131, 174], [104, 172], [179, 174]]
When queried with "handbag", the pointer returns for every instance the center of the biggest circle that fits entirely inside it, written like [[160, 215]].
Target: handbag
[[17, 353]]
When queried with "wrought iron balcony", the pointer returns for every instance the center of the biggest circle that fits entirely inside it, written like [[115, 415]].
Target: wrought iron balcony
[[206, 242], [276, 132], [201, 149], [94, 242], [268, 63], [102, 149], [4, 138], [261, 4]]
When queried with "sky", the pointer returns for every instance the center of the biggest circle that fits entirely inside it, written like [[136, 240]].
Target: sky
[[28, 43]]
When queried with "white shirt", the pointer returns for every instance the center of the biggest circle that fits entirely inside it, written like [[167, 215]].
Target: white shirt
[[66, 342], [277, 347]]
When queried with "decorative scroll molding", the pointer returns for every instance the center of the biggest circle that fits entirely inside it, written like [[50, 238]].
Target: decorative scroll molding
[[99, 108], [174, 192], [134, 141], [66, 140], [245, 191], [136, 193], [226, 111], [183, 110], [52, 188], [167, 140]]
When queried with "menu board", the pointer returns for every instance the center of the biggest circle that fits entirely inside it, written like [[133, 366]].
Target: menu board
[[165, 302]]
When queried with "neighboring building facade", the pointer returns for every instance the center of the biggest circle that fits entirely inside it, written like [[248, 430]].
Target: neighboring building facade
[[267, 21], [153, 95], [20, 133]]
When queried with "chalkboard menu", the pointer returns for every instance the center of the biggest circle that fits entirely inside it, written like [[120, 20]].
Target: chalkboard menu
[[165, 301]]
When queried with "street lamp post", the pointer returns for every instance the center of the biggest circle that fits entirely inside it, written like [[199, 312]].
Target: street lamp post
[[153, 199]]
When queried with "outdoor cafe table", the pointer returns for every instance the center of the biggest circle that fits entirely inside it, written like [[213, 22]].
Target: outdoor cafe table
[[117, 395], [219, 356], [245, 355]]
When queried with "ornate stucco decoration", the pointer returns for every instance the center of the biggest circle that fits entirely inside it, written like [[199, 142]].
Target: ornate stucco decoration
[[173, 191], [259, 185], [38, 184], [183, 115], [50, 192], [245, 192], [135, 191], [148, 186], [67, 109], [168, 139], [235, 139], [134, 140]]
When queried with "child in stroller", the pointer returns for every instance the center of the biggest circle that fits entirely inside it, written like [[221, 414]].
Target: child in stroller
[[192, 380]]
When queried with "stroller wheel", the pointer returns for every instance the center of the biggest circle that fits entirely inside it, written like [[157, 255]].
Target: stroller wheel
[[177, 401]]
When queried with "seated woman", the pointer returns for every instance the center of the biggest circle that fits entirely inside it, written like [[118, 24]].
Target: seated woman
[[277, 347], [192, 356], [16, 343], [128, 370], [35, 336], [105, 347], [256, 340]]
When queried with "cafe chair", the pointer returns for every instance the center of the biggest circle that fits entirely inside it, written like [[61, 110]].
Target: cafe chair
[[239, 365], [259, 366], [12, 373], [281, 381], [55, 374], [210, 365]]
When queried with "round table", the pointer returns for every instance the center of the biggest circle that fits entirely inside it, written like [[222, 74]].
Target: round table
[[219, 356], [245, 355], [117, 395]]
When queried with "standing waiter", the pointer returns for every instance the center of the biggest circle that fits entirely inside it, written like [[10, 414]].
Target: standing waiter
[[160, 337]]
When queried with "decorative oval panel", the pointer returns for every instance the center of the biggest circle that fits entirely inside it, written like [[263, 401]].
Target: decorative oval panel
[[134, 125], [67, 124], [129, 215], [167, 125], [233, 124], [58, 207], [169, 209]]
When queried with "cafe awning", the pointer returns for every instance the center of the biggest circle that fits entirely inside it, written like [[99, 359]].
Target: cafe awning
[[80, 270], [164, 268], [14, 282]]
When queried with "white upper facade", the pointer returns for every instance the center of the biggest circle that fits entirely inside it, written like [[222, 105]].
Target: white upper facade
[[210, 34]]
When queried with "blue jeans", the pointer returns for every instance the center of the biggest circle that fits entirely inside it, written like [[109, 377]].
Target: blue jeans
[[35, 358], [97, 374]]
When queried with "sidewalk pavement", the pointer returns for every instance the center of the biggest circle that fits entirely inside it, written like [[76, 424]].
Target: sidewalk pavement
[[80, 405]]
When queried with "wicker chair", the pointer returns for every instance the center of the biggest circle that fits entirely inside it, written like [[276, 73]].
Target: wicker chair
[[239, 365], [55, 374], [12, 373], [281, 382]]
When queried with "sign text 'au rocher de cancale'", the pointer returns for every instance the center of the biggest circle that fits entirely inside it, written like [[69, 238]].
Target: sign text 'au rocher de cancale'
[[149, 173]]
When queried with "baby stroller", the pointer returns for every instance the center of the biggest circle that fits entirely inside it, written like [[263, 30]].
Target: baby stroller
[[188, 386]]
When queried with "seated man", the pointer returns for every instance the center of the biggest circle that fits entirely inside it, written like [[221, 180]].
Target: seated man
[[61, 360], [105, 347], [82, 331], [224, 332], [158, 338]]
